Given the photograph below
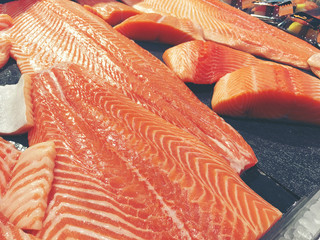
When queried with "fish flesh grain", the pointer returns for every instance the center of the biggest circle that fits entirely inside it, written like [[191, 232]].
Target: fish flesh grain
[[26, 179], [15, 107], [112, 12], [5, 21], [123, 172], [314, 63], [227, 25], [25, 201], [5, 45], [8, 157], [94, 2], [49, 32], [269, 91], [205, 62], [158, 28], [8, 231]]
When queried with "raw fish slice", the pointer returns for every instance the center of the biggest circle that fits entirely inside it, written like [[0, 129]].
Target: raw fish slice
[[225, 24], [15, 107], [15, 8], [314, 63], [52, 32], [8, 157], [203, 62], [10, 232], [5, 21], [5, 46], [112, 12], [25, 200], [94, 2], [123, 172], [157, 28], [268, 91]]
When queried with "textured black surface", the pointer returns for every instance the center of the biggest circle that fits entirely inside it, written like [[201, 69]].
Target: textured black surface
[[288, 152]]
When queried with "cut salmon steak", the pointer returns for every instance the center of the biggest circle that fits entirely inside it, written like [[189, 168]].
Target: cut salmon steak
[[225, 24], [157, 28], [112, 12], [269, 91], [63, 31], [205, 62], [123, 172]]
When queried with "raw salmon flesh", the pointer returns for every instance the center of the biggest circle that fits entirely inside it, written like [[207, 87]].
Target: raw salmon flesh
[[225, 24], [269, 91], [26, 179], [48, 32], [205, 62], [112, 12], [120, 148], [157, 28], [125, 173]]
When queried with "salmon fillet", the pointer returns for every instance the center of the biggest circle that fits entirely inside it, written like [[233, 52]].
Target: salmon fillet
[[225, 24], [269, 91], [157, 28], [25, 182], [25, 200], [123, 172], [205, 62], [48, 32], [112, 12], [8, 157], [10, 232], [5, 21]]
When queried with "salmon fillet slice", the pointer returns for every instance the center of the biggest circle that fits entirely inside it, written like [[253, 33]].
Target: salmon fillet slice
[[268, 91], [94, 2], [50, 32], [9, 155], [112, 12], [5, 21], [25, 200], [205, 62], [5, 46], [123, 172], [225, 24], [10, 232], [157, 28], [314, 63]]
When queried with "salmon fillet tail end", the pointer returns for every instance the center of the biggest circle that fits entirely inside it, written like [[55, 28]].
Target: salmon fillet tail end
[[314, 63]]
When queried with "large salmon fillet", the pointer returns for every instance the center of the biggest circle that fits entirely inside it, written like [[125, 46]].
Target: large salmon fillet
[[225, 24], [122, 172], [48, 32], [269, 91]]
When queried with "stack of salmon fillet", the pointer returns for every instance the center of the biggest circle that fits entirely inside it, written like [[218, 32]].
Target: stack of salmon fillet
[[122, 148]]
